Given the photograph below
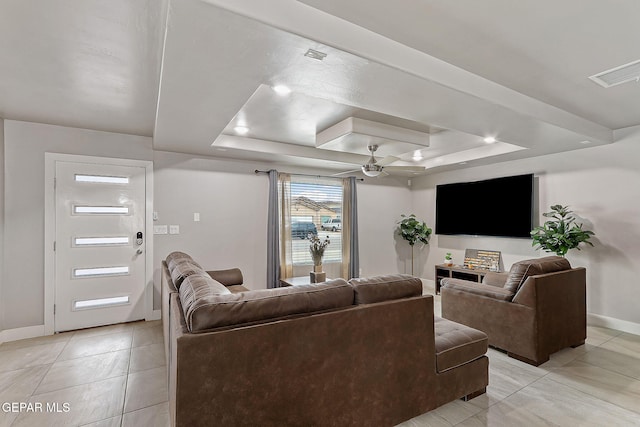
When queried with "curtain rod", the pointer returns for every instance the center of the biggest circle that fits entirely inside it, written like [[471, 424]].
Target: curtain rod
[[304, 174]]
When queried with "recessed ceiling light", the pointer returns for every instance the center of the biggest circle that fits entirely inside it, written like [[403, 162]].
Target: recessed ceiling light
[[281, 90], [462, 163], [585, 142], [241, 130], [315, 54], [417, 156], [489, 140]]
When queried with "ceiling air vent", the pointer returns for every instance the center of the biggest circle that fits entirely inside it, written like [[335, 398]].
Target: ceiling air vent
[[615, 76]]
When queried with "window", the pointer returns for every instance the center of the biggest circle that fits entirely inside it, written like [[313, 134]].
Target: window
[[298, 205], [314, 201]]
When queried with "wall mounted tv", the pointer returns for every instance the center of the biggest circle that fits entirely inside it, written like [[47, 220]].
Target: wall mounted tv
[[493, 207]]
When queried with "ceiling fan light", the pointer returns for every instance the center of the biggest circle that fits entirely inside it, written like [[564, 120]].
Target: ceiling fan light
[[371, 170]]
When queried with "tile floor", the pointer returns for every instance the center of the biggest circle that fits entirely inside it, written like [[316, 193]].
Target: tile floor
[[116, 376], [109, 376]]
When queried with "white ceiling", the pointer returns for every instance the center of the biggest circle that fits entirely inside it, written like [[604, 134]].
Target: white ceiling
[[189, 72]]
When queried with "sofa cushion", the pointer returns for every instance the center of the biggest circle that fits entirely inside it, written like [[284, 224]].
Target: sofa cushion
[[457, 344], [229, 277], [219, 310], [197, 287], [175, 257], [234, 289], [533, 267], [476, 288], [385, 288], [183, 269]]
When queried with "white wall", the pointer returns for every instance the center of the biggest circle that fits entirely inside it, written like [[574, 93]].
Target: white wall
[[380, 204], [230, 197], [232, 202], [25, 145], [601, 185]]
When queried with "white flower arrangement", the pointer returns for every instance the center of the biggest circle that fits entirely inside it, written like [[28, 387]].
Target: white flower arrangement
[[317, 247]]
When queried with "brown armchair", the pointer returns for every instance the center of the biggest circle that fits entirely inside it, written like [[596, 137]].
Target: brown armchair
[[536, 309]]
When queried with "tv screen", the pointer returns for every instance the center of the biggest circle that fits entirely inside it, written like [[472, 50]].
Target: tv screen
[[494, 207]]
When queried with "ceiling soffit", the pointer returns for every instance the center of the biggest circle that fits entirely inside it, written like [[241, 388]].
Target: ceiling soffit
[[198, 103]]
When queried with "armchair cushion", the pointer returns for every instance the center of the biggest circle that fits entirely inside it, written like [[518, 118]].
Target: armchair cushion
[[480, 289], [495, 279], [533, 267]]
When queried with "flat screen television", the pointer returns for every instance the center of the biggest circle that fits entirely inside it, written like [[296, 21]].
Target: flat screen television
[[493, 207]]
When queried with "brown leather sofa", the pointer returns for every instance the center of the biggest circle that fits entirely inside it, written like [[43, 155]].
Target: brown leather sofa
[[536, 309], [366, 353]]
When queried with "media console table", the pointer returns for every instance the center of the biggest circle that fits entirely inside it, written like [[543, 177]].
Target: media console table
[[458, 272]]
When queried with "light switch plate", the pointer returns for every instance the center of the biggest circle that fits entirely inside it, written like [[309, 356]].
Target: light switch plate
[[196, 216], [160, 229], [174, 229]]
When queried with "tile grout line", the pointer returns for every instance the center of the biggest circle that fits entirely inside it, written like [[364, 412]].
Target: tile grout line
[[593, 396], [50, 366], [32, 394], [551, 379], [126, 383]]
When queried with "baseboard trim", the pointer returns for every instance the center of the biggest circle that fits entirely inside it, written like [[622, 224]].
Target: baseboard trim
[[21, 333], [613, 323]]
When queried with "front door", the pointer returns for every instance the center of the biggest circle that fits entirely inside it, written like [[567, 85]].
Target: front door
[[99, 244]]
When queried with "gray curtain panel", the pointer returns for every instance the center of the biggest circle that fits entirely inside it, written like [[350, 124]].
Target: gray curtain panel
[[273, 233]]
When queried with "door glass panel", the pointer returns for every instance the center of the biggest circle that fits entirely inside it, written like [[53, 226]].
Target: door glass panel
[[100, 241], [100, 302], [102, 179], [101, 210], [100, 271]]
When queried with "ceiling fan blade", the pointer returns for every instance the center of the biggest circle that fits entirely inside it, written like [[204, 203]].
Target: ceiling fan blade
[[345, 172], [405, 168], [387, 160]]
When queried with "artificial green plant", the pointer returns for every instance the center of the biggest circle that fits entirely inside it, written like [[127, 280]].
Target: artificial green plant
[[560, 234], [412, 230]]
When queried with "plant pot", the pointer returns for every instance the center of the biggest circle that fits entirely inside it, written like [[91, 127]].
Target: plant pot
[[317, 277], [448, 262], [317, 268]]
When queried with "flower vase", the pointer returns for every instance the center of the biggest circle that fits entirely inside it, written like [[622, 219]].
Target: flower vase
[[317, 275]]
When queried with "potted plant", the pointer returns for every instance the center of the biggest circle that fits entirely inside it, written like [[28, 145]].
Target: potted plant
[[448, 259], [413, 231], [560, 234]]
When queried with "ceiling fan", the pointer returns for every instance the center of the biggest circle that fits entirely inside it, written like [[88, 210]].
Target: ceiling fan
[[374, 168]]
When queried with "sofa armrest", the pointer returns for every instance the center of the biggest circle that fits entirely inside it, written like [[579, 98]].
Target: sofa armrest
[[495, 279], [229, 277], [480, 289]]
